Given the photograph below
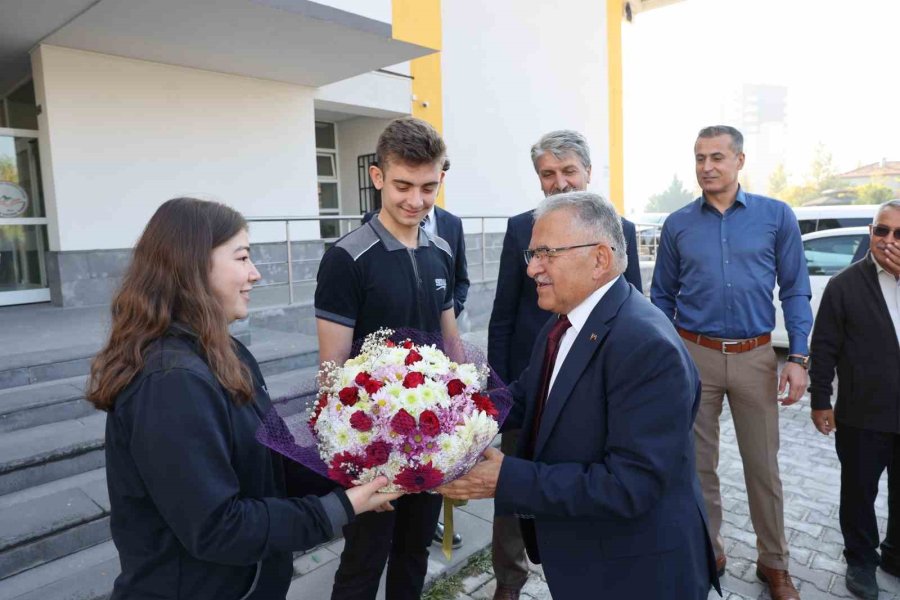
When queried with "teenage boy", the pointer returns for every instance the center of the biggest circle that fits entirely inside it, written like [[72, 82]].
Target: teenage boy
[[390, 273]]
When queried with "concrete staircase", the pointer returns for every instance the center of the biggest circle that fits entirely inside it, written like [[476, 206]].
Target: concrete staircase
[[54, 507]]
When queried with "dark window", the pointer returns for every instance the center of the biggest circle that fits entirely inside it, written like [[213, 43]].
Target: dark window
[[842, 222], [807, 226], [369, 197], [829, 255]]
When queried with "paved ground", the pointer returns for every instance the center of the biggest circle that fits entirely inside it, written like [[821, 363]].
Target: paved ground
[[810, 474]]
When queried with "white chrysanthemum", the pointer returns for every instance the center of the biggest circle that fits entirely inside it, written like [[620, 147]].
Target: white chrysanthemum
[[477, 428], [411, 400], [451, 452], [468, 374]]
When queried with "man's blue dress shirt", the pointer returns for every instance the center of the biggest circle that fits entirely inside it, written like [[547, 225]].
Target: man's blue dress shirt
[[715, 273]]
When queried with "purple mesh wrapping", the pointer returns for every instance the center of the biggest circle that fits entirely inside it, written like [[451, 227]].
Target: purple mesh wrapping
[[285, 428]]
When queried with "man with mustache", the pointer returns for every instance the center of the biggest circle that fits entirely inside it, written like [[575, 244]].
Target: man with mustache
[[562, 161], [718, 261], [857, 334]]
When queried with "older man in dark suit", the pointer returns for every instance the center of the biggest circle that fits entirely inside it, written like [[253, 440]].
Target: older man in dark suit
[[563, 163], [857, 334], [603, 478]]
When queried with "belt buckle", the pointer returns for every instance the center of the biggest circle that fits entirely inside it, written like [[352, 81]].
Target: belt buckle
[[725, 350]]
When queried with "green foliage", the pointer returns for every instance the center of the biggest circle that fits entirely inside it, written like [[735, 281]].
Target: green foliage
[[777, 181], [872, 193], [8, 169], [448, 588], [822, 174], [673, 198]]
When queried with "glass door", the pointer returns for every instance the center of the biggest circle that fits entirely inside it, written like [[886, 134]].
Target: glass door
[[23, 220]]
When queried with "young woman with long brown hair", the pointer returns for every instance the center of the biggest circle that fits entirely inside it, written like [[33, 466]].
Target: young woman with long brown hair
[[199, 509]]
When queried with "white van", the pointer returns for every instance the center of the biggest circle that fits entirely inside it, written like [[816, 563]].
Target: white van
[[820, 218]]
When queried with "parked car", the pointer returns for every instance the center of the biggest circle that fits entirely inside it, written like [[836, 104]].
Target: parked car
[[827, 253], [820, 218]]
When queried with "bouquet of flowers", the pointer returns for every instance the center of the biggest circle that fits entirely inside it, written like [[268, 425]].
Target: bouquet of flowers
[[400, 407], [403, 410]]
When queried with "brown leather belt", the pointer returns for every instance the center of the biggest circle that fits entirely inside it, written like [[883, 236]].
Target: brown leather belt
[[726, 346]]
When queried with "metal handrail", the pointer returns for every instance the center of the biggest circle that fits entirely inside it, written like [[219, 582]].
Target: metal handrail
[[287, 220]]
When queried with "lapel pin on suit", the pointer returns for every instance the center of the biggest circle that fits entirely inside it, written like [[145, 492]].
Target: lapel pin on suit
[[593, 337]]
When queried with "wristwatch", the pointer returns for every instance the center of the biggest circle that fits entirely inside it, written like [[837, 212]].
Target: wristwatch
[[799, 359]]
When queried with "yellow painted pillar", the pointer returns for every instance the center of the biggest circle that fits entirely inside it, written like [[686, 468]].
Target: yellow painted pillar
[[616, 128], [419, 22]]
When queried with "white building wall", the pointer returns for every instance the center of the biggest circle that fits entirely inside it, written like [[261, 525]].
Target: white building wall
[[372, 94], [356, 137], [120, 136], [516, 71]]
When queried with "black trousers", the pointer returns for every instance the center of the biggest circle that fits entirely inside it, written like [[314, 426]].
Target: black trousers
[[864, 455], [404, 535]]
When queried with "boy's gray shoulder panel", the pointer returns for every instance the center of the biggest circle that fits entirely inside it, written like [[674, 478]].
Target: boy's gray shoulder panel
[[358, 241]]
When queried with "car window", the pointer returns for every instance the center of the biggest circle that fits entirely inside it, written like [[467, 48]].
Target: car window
[[807, 226], [842, 222], [828, 255]]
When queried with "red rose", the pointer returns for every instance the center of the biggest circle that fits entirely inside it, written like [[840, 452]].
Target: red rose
[[373, 385], [360, 421], [362, 378], [408, 344], [345, 467], [412, 357], [390, 344], [419, 479], [484, 403], [455, 387], [413, 379], [349, 396], [429, 423], [377, 454], [403, 422]]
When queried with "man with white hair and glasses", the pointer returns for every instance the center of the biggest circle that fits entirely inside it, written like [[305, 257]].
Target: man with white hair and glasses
[[857, 336]]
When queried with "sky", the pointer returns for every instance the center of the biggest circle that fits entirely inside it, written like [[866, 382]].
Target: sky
[[683, 64]]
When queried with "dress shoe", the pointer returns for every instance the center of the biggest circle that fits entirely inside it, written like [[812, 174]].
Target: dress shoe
[[779, 581], [506, 593], [720, 566], [861, 581], [439, 537]]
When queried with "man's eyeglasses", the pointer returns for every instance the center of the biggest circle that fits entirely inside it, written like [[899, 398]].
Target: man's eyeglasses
[[884, 231], [551, 253]]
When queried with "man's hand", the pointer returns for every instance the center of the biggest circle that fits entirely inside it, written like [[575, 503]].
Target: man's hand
[[892, 257], [795, 376], [823, 420], [480, 482], [366, 497]]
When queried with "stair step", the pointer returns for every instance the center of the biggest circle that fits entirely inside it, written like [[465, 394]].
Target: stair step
[[37, 455], [276, 351], [40, 403], [85, 575], [48, 529]]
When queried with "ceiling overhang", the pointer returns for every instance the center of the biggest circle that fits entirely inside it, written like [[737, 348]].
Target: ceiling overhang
[[294, 41]]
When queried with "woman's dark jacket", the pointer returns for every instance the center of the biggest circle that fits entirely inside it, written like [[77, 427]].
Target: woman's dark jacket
[[199, 507]]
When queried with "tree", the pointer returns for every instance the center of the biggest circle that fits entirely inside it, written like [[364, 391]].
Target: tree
[[673, 198], [872, 193], [8, 170], [778, 181], [822, 170]]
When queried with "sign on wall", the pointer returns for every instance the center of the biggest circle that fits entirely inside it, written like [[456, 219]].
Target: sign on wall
[[13, 200]]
